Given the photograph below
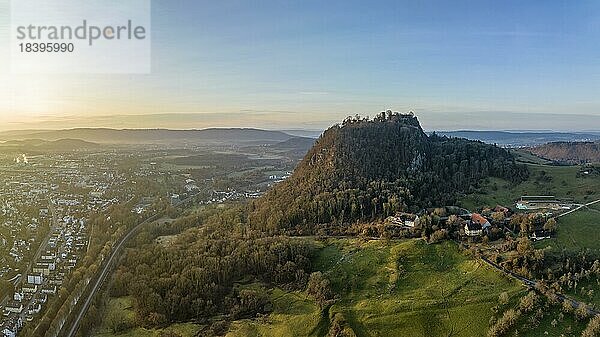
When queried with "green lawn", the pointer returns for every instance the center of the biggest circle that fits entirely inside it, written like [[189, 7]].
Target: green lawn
[[414, 289], [122, 305], [397, 288]]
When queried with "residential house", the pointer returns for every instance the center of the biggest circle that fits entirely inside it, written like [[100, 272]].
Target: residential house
[[539, 235], [34, 308], [41, 298], [11, 325], [482, 221], [473, 228], [500, 208], [49, 289], [14, 307], [18, 296], [29, 288], [8, 330]]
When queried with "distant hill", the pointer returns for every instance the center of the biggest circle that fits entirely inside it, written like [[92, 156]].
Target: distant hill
[[367, 169], [304, 133], [521, 139], [42, 145], [569, 152], [294, 147], [68, 145], [154, 136], [24, 143], [295, 143]]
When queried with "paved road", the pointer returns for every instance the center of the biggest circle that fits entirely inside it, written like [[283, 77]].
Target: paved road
[[578, 208], [114, 256], [532, 283], [15, 279]]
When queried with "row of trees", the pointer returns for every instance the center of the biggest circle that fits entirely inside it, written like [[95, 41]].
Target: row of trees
[[531, 309]]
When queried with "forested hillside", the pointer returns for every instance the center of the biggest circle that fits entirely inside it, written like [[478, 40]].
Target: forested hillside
[[366, 169], [569, 152]]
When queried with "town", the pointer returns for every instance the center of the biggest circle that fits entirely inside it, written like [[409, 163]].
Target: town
[[45, 204], [49, 202]]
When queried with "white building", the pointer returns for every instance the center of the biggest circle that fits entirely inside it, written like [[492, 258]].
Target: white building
[[36, 278]]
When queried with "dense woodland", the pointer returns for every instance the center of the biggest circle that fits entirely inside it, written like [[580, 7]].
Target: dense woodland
[[202, 273], [365, 169]]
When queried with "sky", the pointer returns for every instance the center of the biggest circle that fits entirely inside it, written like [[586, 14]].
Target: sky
[[503, 65]]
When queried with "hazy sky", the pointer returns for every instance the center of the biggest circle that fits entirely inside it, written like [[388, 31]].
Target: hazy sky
[[305, 64]]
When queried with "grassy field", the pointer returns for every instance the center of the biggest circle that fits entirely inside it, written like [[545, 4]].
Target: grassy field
[[398, 288], [529, 158], [294, 314], [560, 181], [576, 231], [122, 306]]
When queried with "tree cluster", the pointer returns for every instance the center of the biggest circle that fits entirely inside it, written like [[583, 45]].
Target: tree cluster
[[201, 273]]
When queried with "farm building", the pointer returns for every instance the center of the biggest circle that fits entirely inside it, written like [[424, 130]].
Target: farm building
[[477, 225], [527, 202], [404, 219]]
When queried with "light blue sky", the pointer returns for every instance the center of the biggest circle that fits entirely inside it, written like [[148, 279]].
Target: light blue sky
[[305, 64]]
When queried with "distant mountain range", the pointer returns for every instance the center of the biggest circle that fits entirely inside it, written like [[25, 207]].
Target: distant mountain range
[[569, 152], [249, 136], [522, 139], [153, 136]]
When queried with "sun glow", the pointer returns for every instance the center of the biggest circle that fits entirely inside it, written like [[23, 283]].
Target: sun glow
[[26, 97]]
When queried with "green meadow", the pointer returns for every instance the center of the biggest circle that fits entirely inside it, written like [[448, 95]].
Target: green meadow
[[560, 181], [122, 308], [578, 230], [395, 288]]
